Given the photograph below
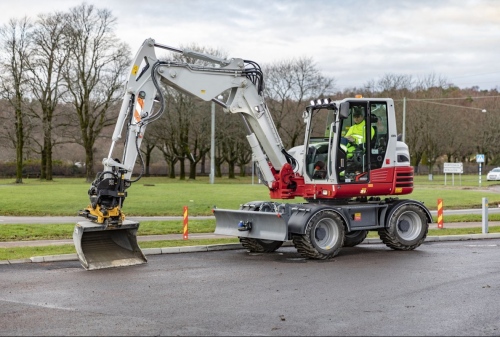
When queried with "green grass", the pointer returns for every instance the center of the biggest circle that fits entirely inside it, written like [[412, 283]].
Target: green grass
[[164, 196], [26, 232], [148, 197]]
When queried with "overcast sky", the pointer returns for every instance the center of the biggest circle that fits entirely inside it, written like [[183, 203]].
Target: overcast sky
[[354, 41]]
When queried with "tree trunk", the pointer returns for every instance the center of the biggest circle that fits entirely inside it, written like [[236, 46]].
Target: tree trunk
[[242, 171], [192, 170], [147, 153], [203, 163], [182, 174], [89, 164], [48, 156], [46, 160], [218, 169], [43, 164], [231, 174], [171, 173]]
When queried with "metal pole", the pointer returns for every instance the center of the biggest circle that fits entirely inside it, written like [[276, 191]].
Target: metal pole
[[485, 216], [212, 147], [404, 118], [479, 174], [253, 167]]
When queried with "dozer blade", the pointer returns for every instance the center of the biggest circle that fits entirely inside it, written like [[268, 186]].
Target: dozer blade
[[99, 246], [259, 225]]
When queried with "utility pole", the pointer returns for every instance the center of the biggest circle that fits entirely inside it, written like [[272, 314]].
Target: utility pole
[[212, 147], [404, 118], [212, 143]]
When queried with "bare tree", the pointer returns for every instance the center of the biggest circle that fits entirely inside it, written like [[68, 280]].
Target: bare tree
[[15, 44], [395, 82], [166, 132], [232, 146], [244, 157], [289, 84], [189, 119], [199, 137], [48, 54], [179, 118], [93, 74], [430, 81]]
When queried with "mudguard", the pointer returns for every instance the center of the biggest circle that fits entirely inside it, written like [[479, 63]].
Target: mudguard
[[393, 207]]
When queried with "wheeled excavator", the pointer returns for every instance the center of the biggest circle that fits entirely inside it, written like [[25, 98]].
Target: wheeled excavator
[[348, 188]]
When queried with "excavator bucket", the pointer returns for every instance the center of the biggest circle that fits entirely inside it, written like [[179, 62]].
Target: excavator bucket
[[99, 246]]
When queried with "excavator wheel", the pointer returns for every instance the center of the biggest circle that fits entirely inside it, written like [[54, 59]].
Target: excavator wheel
[[323, 238], [260, 246], [407, 228], [354, 238]]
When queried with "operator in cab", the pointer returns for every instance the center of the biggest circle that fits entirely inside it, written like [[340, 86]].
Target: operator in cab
[[352, 143], [356, 133]]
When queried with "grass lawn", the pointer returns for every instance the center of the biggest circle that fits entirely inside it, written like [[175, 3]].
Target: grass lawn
[[164, 196]]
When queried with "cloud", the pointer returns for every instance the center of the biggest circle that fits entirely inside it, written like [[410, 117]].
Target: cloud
[[353, 41]]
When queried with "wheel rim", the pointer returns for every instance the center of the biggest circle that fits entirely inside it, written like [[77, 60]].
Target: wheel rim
[[326, 233], [409, 226]]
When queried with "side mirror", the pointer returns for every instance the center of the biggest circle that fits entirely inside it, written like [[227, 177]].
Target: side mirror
[[344, 110]]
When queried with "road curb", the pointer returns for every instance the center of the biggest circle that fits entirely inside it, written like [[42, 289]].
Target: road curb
[[235, 246]]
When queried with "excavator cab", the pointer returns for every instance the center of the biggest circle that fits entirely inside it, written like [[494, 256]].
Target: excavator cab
[[346, 156]]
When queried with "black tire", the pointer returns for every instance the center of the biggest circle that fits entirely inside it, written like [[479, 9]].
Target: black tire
[[354, 238], [323, 238], [407, 228], [260, 246]]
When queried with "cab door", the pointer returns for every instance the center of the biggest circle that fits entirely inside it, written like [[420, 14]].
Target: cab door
[[361, 146]]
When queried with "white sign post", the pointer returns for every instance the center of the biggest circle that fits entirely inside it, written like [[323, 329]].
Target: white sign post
[[453, 168], [480, 161]]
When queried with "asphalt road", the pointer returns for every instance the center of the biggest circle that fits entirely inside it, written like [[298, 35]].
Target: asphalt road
[[442, 288]]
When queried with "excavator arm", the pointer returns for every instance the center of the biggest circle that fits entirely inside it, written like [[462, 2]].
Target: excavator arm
[[106, 239], [242, 79]]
